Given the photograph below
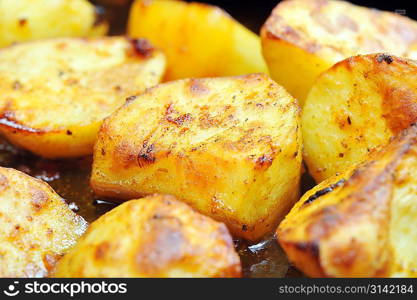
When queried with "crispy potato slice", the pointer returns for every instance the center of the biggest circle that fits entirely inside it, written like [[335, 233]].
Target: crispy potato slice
[[156, 236], [26, 20], [354, 106], [36, 226], [230, 147], [54, 94], [303, 38], [199, 40], [359, 223]]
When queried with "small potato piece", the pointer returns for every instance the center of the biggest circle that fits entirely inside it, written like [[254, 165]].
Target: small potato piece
[[230, 147], [36, 226], [303, 38], [356, 105], [54, 94], [156, 236], [25, 20], [360, 223], [199, 40]]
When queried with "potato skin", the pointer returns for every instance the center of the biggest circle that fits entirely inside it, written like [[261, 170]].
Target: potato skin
[[36, 226], [199, 40], [54, 94], [27, 20], [303, 38], [230, 147], [359, 223], [156, 236], [356, 105]]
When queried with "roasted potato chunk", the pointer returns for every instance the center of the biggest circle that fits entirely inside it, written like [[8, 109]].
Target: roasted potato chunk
[[36, 226], [354, 106], [359, 223], [199, 40], [156, 236], [303, 38], [54, 94], [230, 147], [26, 20]]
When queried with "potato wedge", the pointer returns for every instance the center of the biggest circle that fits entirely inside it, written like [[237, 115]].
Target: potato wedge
[[156, 236], [230, 147], [359, 223], [303, 38], [36, 226], [54, 94], [26, 20], [199, 40], [356, 105]]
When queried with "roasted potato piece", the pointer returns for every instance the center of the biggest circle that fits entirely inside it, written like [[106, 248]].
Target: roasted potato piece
[[36, 226], [54, 94], [26, 20], [354, 106], [230, 147], [199, 40], [303, 38], [156, 236], [359, 223]]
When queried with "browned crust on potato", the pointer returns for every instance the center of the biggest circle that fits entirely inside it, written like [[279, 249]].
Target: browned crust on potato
[[288, 35], [146, 155], [370, 188], [399, 98], [166, 238], [166, 244], [199, 142], [277, 27], [142, 47], [81, 97], [37, 226], [307, 254]]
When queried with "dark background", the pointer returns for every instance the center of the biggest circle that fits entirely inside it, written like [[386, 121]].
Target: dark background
[[250, 13]]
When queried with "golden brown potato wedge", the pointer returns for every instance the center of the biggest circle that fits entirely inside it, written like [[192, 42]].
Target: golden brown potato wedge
[[25, 20], [199, 40], [360, 223], [303, 38], [156, 236], [36, 226], [54, 94], [230, 147], [354, 106]]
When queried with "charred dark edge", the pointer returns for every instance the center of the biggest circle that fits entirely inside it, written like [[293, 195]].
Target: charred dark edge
[[146, 156], [142, 47], [310, 247], [324, 191], [384, 57], [406, 139], [264, 161], [131, 98]]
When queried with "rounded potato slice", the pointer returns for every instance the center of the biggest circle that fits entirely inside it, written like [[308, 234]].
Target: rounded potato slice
[[303, 38], [360, 223], [230, 147], [54, 94], [36, 226], [199, 40], [156, 236], [26, 20], [356, 105]]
